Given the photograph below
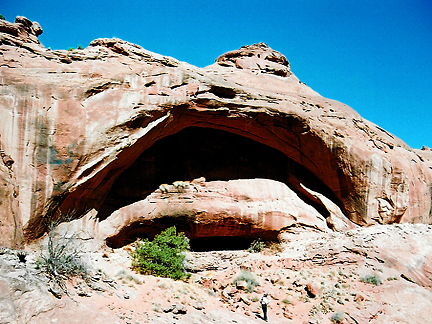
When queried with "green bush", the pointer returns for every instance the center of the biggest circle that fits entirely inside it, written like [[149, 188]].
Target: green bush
[[371, 279], [256, 246], [162, 257], [2, 17]]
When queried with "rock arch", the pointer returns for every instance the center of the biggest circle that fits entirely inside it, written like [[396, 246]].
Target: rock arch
[[75, 121], [286, 140]]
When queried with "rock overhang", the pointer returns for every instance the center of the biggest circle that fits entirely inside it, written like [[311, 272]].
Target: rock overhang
[[143, 199], [133, 98]]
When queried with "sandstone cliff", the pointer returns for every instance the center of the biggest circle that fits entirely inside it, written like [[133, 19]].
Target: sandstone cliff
[[100, 129]]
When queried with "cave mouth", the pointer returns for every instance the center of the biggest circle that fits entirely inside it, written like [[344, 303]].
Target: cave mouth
[[148, 230], [196, 152], [199, 244], [220, 243]]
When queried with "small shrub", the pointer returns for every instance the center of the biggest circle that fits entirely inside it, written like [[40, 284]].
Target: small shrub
[[371, 279], [162, 257], [286, 301], [80, 47], [60, 260], [273, 247], [211, 292], [2, 17], [322, 307], [181, 186], [256, 246], [249, 278], [157, 307], [125, 276], [164, 188], [70, 49], [254, 299], [337, 317]]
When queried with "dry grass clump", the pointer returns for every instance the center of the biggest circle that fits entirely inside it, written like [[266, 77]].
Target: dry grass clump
[[248, 277]]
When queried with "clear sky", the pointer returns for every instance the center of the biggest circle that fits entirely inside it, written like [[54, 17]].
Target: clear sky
[[373, 55]]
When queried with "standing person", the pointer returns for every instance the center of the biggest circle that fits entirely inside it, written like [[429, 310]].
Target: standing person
[[264, 303]]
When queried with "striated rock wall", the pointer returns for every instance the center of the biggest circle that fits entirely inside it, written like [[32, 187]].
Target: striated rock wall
[[11, 233], [75, 121]]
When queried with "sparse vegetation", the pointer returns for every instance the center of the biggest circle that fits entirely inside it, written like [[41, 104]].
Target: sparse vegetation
[[128, 277], [256, 246], [249, 278], [322, 307], [273, 247], [181, 185], [70, 49], [162, 257], [211, 292], [60, 260], [337, 317], [2, 17], [254, 299], [80, 47], [371, 279]]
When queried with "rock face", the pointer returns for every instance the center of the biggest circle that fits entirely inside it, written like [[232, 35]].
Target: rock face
[[23, 30], [248, 208], [94, 129], [10, 223]]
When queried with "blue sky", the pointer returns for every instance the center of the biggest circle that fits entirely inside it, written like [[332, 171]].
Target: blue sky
[[373, 55]]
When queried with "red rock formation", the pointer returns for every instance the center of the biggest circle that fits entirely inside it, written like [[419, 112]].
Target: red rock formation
[[249, 208], [75, 121], [23, 30]]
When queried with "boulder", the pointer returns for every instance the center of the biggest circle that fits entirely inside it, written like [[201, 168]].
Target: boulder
[[22, 30]]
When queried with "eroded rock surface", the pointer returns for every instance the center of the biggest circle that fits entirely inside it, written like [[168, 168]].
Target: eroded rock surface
[[11, 233], [75, 121], [250, 208], [310, 277]]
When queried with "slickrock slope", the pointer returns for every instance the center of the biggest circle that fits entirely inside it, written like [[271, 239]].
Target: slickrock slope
[[102, 128], [313, 277]]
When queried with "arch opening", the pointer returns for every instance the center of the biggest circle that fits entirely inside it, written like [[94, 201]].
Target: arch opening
[[220, 243], [241, 241], [196, 152], [216, 155]]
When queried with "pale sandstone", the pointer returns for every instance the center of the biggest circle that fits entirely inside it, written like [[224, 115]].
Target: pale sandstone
[[333, 263]]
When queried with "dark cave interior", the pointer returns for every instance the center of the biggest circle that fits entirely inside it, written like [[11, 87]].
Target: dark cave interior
[[224, 243], [216, 155]]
